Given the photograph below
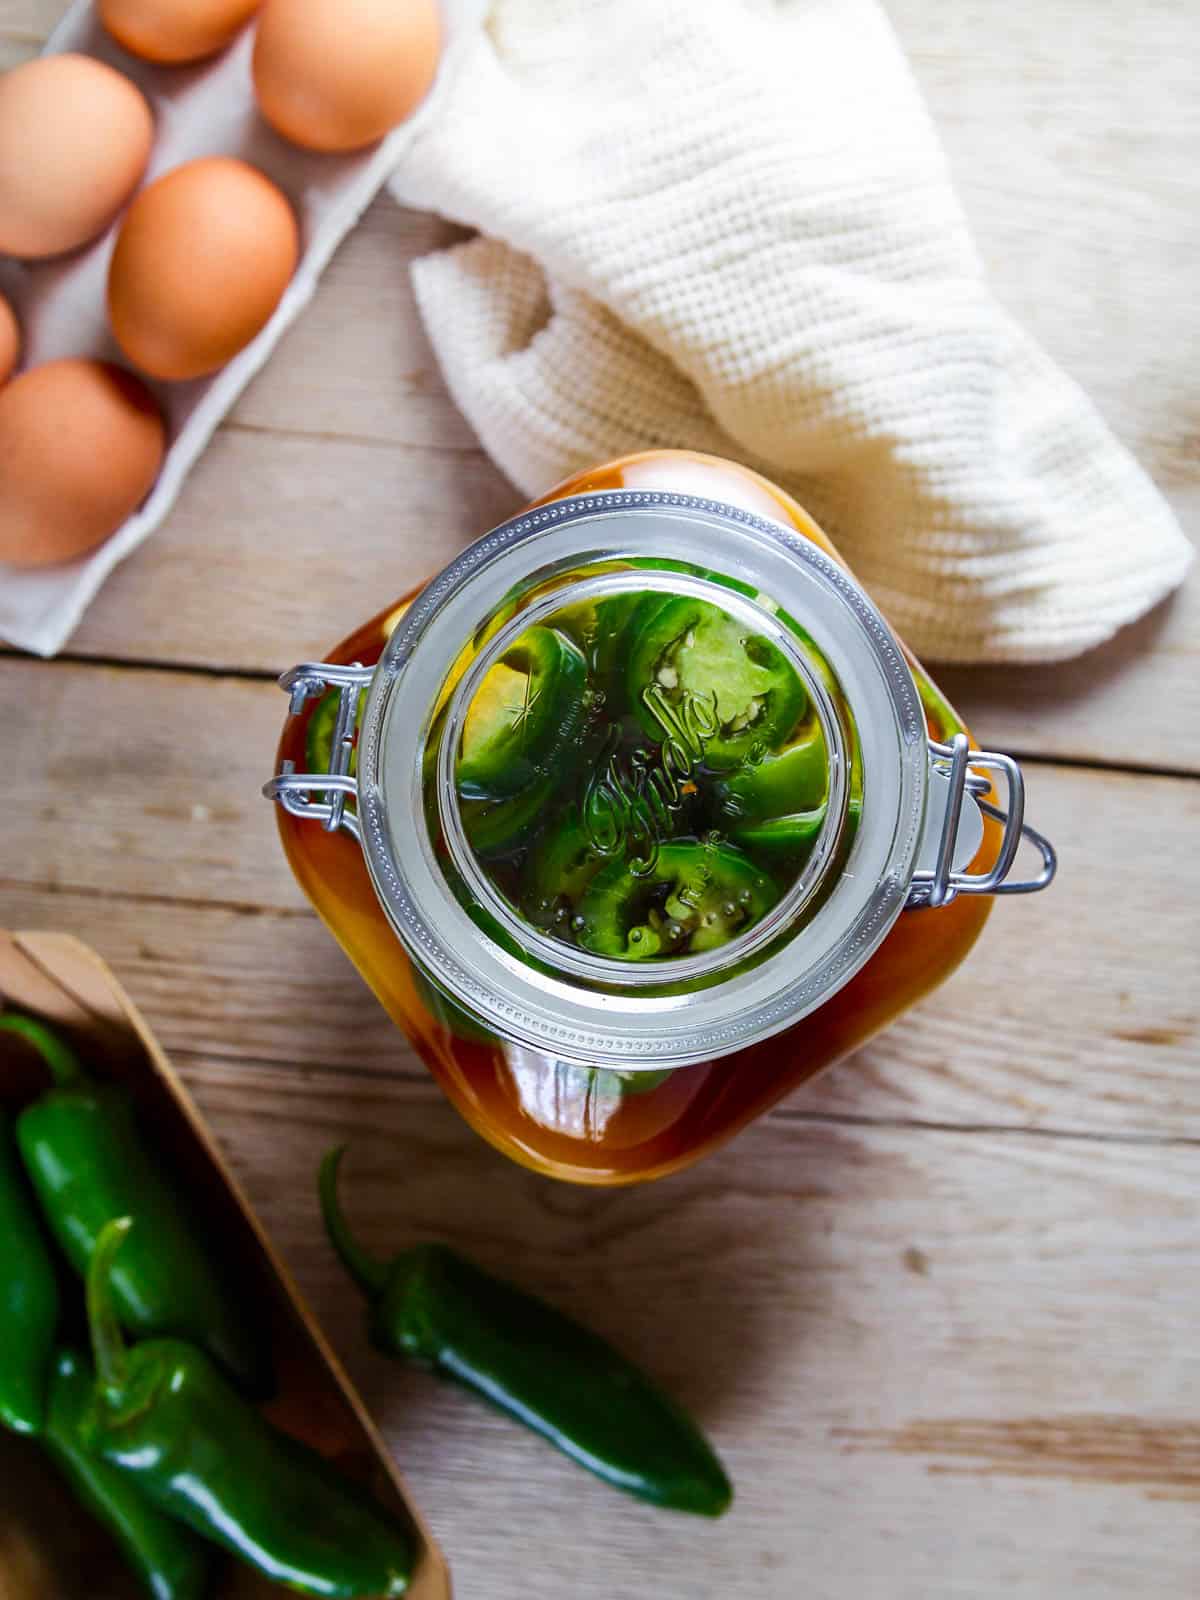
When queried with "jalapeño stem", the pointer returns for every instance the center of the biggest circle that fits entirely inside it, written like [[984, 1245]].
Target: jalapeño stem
[[61, 1061], [108, 1343], [370, 1275]]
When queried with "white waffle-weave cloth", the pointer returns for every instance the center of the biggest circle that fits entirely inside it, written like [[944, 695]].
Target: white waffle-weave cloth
[[729, 225]]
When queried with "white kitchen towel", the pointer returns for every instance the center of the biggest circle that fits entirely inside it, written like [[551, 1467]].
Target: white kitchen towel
[[729, 225]]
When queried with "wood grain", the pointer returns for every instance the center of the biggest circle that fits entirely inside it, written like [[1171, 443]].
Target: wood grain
[[144, 783], [233, 982], [1099, 1449], [1127, 1067], [153, 841], [876, 1418]]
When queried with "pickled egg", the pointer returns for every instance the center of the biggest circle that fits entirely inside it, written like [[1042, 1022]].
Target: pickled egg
[[170, 31], [200, 263], [81, 443], [75, 137], [10, 340], [338, 74]]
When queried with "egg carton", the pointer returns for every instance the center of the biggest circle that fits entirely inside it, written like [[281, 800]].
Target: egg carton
[[208, 109]]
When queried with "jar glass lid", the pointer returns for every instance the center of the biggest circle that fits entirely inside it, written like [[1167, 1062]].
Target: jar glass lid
[[641, 778], [641, 769]]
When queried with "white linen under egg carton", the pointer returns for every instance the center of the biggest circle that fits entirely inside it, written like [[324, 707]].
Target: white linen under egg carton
[[204, 110]]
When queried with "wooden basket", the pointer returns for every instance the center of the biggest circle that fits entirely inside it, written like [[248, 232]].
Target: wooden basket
[[47, 1546]]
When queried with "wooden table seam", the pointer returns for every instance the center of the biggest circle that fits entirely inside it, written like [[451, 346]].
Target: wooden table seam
[[313, 1072]]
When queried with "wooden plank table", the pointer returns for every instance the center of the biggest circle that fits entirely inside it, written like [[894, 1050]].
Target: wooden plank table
[[939, 1311]]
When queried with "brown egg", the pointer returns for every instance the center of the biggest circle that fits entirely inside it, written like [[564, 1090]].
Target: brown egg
[[81, 443], [171, 31], [200, 263], [75, 137], [338, 74], [10, 340]]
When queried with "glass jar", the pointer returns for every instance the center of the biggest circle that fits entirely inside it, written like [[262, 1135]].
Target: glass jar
[[638, 815]]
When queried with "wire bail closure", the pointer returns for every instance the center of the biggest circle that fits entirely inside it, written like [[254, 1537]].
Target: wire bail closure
[[296, 791], [939, 886], [929, 889]]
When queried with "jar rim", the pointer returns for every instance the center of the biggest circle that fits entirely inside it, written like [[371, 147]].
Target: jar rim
[[627, 1026], [571, 961]]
